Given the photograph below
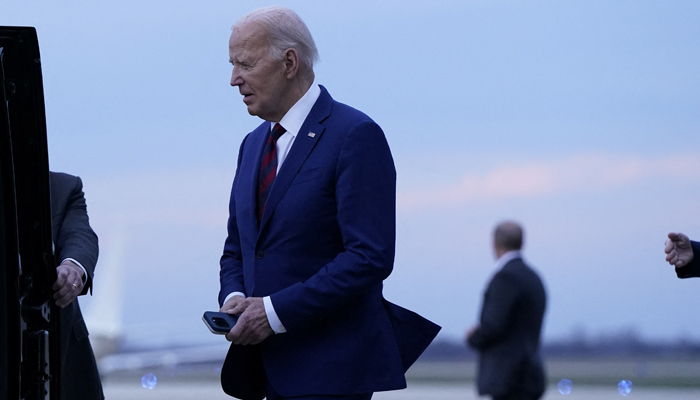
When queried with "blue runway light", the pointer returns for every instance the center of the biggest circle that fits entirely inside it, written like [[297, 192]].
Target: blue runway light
[[565, 386], [149, 381], [624, 387]]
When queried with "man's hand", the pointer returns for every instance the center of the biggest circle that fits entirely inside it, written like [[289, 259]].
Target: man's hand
[[679, 253], [69, 283], [252, 326], [231, 304]]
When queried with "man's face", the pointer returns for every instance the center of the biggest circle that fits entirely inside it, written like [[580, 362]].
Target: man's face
[[260, 79], [497, 251]]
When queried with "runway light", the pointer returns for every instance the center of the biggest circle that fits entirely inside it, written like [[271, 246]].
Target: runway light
[[149, 381], [565, 386], [624, 387]]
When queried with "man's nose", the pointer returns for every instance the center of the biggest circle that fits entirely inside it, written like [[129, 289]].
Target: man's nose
[[236, 79]]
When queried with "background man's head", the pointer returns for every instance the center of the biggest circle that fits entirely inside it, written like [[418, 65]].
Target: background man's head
[[507, 236], [273, 54]]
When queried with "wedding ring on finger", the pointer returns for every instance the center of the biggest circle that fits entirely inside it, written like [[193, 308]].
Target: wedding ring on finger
[[75, 286]]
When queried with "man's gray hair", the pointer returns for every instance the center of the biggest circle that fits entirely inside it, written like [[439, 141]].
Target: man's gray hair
[[287, 31], [508, 235]]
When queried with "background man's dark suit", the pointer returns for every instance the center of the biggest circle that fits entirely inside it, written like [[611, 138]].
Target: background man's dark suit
[[73, 238], [691, 269], [509, 334]]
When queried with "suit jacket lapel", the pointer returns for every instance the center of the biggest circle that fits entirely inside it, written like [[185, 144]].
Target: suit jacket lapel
[[303, 144]]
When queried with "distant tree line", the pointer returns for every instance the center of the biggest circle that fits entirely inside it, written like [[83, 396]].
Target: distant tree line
[[626, 344]]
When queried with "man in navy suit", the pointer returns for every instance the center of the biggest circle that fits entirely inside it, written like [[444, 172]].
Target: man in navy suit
[[508, 336], [76, 251], [311, 233]]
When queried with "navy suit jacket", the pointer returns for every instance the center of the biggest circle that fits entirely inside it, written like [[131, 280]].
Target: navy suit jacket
[[321, 251], [74, 238], [508, 337], [692, 270]]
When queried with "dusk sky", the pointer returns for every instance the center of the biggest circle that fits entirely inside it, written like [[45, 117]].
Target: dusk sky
[[580, 119]]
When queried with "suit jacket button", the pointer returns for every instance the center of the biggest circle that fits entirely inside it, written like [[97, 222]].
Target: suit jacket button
[[260, 254]]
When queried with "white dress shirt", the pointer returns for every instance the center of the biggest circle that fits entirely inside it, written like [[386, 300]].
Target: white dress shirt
[[507, 257], [292, 122], [78, 264]]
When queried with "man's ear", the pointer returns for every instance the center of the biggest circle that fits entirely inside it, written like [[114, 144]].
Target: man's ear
[[291, 63]]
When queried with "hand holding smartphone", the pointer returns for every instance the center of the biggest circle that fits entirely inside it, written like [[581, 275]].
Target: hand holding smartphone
[[219, 323]]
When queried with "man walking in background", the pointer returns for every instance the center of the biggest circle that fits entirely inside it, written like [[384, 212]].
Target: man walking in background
[[508, 336], [76, 249], [311, 233]]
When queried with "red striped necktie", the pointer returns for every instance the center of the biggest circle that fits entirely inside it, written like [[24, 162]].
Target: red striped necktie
[[268, 167]]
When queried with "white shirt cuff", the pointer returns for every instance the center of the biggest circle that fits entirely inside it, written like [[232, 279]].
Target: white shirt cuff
[[272, 317], [81, 267], [233, 294]]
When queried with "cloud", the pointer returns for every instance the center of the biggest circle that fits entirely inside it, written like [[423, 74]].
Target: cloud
[[201, 197], [584, 172]]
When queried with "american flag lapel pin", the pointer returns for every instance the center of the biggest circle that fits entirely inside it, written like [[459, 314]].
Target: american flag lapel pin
[[311, 134]]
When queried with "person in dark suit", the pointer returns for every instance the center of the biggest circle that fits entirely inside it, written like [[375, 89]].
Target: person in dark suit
[[680, 252], [311, 233], [508, 336], [76, 250]]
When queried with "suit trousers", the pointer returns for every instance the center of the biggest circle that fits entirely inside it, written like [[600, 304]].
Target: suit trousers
[[272, 395]]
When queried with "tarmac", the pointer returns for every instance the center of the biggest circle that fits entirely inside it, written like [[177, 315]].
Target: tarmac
[[209, 390]]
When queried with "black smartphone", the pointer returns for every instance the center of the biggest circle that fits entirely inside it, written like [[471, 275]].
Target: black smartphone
[[218, 322]]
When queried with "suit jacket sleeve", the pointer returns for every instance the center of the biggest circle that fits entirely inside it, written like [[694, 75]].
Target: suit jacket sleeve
[[231, 272], [365, 191], [76, 239], [691, 270], [499, 301]]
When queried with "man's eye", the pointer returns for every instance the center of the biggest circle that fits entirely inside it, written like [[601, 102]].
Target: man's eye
[[241, 65]]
